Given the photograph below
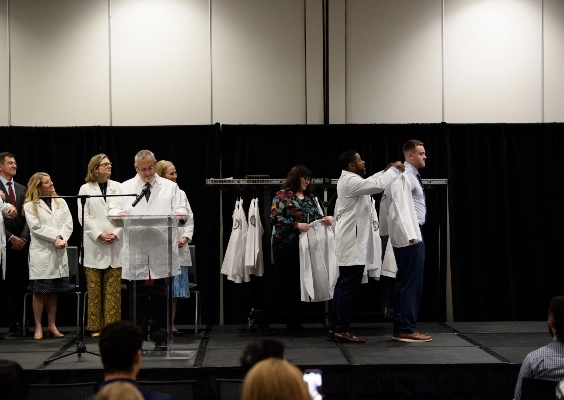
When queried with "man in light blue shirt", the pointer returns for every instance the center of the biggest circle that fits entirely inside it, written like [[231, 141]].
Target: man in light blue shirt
[[546, 362]]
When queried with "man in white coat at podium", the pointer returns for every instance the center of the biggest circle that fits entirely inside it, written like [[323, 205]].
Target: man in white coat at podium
[[156, 196]]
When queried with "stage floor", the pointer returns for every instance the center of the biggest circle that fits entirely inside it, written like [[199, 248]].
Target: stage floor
[[487, 350]]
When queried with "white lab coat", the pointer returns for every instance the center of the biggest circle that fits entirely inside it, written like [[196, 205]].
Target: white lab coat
[[97, 254], [318, 264], [398, 218], [45, 260], [354, 234], [186, 230], [234, 261], [374, 270], [253, 247], [145, 251]]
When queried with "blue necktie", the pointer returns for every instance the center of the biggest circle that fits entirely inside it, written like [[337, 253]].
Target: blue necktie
[[421, 183], [423, 188]]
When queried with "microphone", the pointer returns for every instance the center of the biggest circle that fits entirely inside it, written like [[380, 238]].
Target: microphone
[[140, 196]]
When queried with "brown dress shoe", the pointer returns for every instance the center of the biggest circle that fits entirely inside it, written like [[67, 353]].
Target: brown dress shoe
[[414, 337], [349, 337]]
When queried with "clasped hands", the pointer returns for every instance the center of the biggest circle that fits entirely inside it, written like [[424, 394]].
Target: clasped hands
[[11, 212], [60, 243], [107, 237]]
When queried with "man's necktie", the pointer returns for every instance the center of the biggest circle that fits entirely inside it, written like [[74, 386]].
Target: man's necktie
[[423, 188], [148, 192], [421, 183], [11, 193]]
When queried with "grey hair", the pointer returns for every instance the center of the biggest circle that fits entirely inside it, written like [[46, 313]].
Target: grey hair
[[141, 155]]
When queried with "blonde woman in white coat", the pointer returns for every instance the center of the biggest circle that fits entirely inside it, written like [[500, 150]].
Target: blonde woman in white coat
[[180, 283], [102, 246], [50, 225]]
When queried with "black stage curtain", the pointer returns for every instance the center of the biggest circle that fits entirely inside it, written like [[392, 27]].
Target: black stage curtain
[[501, 200]]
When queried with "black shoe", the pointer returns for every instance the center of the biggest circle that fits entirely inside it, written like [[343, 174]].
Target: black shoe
[[2, 337], [15, 328]]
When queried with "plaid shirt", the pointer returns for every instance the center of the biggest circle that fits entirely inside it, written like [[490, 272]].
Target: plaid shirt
[[545, 363]]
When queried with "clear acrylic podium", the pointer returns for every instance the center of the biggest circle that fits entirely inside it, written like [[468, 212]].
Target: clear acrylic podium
[[150, 255]]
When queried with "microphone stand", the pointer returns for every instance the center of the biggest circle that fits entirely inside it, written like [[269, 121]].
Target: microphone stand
[[80, 346]]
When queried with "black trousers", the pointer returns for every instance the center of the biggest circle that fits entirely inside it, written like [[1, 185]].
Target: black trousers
[[283, 295]]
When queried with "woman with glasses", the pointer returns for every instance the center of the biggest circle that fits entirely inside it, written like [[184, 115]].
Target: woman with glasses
[[102, 246], [180, 283], [293, 208], [50, 224]]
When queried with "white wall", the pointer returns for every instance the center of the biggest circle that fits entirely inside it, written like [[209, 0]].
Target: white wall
[[184, 62], [4, 64]]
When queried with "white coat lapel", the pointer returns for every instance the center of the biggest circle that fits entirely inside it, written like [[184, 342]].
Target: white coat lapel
[[44, 206], [95, 191], [154, 191]]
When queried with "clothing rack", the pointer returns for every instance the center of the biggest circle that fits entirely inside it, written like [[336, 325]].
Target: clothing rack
[[224, 183]]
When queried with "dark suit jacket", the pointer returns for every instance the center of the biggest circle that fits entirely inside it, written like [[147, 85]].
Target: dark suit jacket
[[16, 226]]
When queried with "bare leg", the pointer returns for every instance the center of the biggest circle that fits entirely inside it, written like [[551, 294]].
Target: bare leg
[[38, 303], [51, 304]]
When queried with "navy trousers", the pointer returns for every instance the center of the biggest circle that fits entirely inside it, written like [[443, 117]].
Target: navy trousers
[[348, 284], [409, 286]]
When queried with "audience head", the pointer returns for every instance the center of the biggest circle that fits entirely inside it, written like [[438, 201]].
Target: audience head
[[100, 163], [145, 165], [261, 350], [293, 180], [13, 380], [167, 170], [120, 346], [119, 390], [556, 317], [275, 379]]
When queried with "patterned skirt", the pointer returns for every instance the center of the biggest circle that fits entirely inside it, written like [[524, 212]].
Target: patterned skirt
[[180, 284], [50, 285]]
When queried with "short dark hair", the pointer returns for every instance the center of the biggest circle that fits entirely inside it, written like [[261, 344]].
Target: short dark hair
[[346, 158], [411, 145], [261, 350], [119, 343], [556, 311], [5, 154]]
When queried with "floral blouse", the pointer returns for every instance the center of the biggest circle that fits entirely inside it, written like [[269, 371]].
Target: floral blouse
[[285, 213]]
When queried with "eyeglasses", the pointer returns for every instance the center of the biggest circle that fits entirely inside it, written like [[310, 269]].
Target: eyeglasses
[[105, 165], [143, 170], [308, 180]]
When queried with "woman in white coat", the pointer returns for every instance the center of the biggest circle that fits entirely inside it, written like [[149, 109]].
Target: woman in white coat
[[50, 225], [102, 246], [180, 283]]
